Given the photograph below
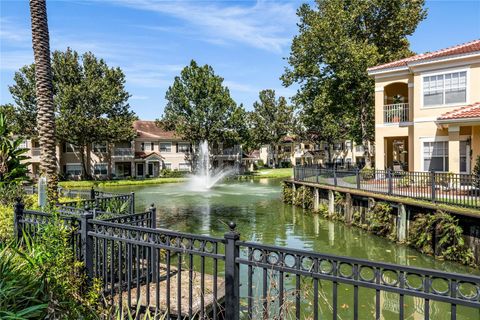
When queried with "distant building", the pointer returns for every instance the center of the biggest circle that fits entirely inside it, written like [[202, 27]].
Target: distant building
[[292, 153], [427, 111], [152, 150]]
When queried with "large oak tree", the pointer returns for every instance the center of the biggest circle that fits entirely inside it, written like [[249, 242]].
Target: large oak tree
[[337, 41], [90, 101]]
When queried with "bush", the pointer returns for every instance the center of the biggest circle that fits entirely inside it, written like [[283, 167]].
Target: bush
[[167, 173], [6, 223], [260, 164], [449, 236], [41, 280], [476, 173], [367, 173], [381, 222], [287, 193]]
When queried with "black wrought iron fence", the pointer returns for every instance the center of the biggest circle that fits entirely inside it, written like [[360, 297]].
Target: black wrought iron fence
[[442, 187], [191, 276]]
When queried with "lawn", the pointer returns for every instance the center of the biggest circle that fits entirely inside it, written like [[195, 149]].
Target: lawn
[[271, 173], [118, 183]]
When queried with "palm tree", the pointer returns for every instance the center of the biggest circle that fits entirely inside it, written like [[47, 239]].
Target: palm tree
[[44, 95]]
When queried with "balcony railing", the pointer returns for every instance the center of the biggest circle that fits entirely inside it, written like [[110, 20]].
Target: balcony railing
[[395, 113], [123, 152]]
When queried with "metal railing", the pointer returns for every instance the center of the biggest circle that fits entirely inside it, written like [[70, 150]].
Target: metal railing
[[183, 275], [449, 188], [395, 113], [36, 152], [123, 152]]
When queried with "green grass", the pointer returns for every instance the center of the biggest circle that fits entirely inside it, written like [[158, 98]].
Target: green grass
[[271, 173], [350, 179], [118, 183]]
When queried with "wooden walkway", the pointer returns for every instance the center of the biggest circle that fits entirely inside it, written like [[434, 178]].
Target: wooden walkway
[[196, 298]]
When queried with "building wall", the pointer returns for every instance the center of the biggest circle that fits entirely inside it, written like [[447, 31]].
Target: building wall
[[421, 125]]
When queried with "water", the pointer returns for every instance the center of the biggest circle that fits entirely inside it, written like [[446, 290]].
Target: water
[[206, 176], [261, 216]]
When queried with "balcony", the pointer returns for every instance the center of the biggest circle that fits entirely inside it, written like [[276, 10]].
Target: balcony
[[123, 153], [395, 113]]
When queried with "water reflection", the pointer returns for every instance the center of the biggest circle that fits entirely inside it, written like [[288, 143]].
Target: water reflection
[[261, 216]]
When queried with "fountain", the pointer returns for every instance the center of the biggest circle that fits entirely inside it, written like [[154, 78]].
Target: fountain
[[205, 177]]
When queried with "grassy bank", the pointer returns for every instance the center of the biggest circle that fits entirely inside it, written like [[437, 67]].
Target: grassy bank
[[271, 173], [262, 173], [118, 183]]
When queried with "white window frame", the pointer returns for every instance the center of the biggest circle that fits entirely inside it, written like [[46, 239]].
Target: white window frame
[[100, 164], [99, 145], [164, 143], [439, 139], [183, 144], [167, 165], [73, 164], [184, 164], [148, 146], [444, 72], [23, 145]]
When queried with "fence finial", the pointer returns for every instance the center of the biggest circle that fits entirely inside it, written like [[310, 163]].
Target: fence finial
[[232, 225]]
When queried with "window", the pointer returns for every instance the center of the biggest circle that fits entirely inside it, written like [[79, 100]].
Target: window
[[147, 146], [73, 169], [166, 147], [68, 147], [348, 145], [167, 165], [100, 147], [446, 88], [287, 149], [184, 167], [338, 146], [100, 168], [463, 156], [23, 145], [435, 156], [183, 147]]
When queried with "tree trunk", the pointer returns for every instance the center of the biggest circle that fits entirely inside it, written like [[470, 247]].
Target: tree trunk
[[44, 96], [274, 155]]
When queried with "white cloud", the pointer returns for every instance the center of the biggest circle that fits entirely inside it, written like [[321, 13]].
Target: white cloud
[[236, 86], [10, 31], [265, 25]]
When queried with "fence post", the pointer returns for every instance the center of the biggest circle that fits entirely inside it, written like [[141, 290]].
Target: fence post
[[390, 181], [334, 176], [92, 194], [232, 276], [86, 243], [317, 171], [153, 252], [357, 173], [18, 215], [433, 184], [132, 202]]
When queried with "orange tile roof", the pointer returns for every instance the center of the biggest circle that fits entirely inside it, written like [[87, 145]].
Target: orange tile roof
[[465, 112], [149, 130], [465, 48]]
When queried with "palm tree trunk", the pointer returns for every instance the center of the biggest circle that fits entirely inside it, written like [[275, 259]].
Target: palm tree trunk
[[44, 96]]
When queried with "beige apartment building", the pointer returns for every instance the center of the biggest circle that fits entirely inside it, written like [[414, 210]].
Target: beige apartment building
[[427, 111], [292, 152], [153, 150]]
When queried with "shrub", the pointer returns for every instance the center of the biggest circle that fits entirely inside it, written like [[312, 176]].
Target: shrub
[[41, 280], [167, 173], [381, 222], [367, 173], [304, 198], [476, 173], [287, 193], [449, 236], [6, 223]]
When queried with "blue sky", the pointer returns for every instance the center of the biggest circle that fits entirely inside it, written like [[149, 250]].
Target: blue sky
[[245, 41]]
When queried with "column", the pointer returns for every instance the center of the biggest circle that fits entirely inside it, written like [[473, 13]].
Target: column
[[475, 145], [454, 149], [331, 202]]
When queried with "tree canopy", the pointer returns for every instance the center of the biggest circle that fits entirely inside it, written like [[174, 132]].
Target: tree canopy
[[337, 41], [271, 120], [91, 102], [199, 107]]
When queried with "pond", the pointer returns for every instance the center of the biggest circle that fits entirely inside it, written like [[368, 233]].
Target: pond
[[261, 216]]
